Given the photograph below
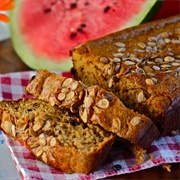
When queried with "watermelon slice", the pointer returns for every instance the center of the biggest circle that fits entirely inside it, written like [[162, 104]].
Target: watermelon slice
[[43, 31]]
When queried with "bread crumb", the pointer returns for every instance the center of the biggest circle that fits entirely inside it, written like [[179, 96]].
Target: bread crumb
[[167, 167], [151, 156], [139, 153], [175, 132]]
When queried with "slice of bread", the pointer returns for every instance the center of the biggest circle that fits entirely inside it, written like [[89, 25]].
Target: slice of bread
[[94, 105], [55, 136]]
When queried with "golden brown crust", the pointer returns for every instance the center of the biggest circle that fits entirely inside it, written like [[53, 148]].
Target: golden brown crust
[[49, 133], [141, 65], [95, 105]]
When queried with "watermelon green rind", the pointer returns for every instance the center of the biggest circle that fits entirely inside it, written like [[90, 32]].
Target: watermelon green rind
[[146, 13], [154, 10], [42, 62]]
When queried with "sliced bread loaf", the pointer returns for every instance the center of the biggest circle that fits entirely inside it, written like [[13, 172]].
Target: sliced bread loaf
[[94, 105], [141, 65], [55, 136]]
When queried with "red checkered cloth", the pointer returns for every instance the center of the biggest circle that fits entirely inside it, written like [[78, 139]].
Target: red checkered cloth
[[164, 150]]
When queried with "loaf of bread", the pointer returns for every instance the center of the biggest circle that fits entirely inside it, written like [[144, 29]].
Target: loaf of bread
[[94, 105], [140, 65], [55, 136]]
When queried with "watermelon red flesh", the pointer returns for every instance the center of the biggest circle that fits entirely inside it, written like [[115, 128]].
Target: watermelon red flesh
[[51, 28]]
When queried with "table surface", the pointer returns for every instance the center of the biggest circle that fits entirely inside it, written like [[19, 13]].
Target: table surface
[[10, 62]]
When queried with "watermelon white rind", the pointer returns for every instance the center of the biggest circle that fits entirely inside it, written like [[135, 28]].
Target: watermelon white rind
[[39, 53]]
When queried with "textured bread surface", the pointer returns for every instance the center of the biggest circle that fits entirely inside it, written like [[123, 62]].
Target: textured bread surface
[[55, 136], [141, 65], [94, 105]]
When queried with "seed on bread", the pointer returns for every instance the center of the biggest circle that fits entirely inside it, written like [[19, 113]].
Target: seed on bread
[[149, 82], [61, 96], [122, 49], [141, 97], [42, 141], [120, 44], [116, 122], [104, 60], [44, 157], [103, 103], [52, 141], [13, 130], [88, 101], [164, 34], [74, 85], [38, 124], [67, 82], [141, 45], [39, 151], [175, 64], [169, 59], [136, 120], [70, 95], [7, 127]]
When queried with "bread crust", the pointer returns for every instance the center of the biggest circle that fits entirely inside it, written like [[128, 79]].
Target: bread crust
[[141, 65], [95, 105]]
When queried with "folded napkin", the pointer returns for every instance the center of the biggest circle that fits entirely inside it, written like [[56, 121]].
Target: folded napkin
[[120, 161]]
